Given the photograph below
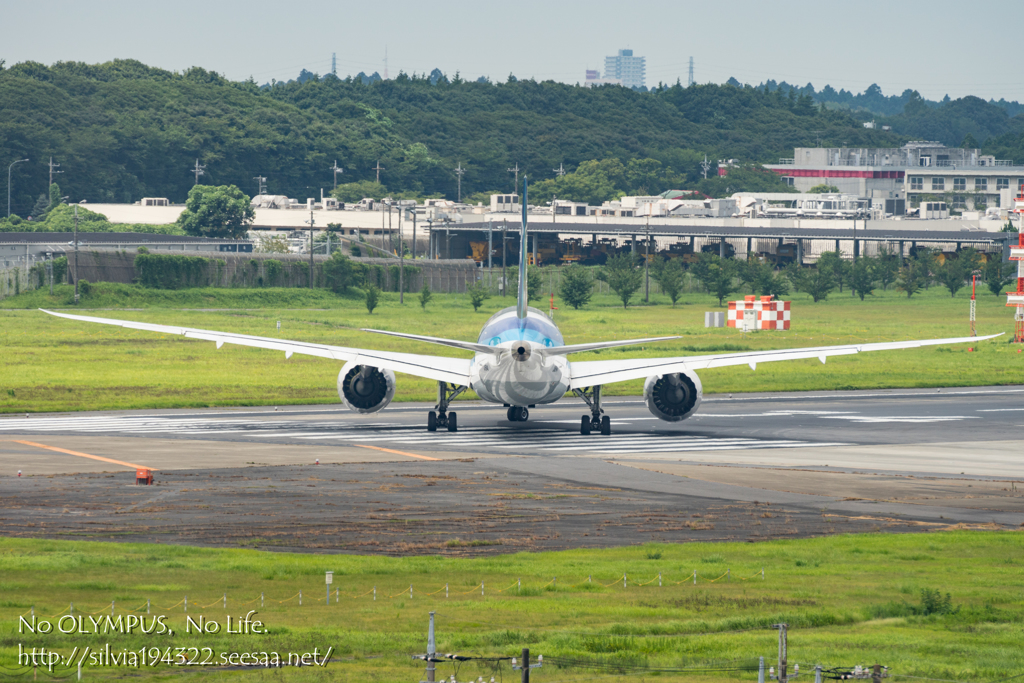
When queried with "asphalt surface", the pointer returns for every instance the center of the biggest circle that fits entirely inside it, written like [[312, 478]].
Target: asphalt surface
[[903, 460]]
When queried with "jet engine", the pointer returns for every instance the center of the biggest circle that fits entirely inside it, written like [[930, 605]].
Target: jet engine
[[673, 397], [364, 388]]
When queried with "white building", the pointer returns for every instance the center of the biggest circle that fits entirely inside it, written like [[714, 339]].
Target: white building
[[917, 172], [594, 79], [630, 70]]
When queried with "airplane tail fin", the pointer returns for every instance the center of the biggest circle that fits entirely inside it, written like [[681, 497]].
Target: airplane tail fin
[[523, 252]]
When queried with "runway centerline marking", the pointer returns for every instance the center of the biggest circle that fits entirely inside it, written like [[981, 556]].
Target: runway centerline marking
[[86, 455], [388, 450]]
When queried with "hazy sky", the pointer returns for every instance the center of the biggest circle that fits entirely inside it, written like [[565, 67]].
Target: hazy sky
[[936, 47]]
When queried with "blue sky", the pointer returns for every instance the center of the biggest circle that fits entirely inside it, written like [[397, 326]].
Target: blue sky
[[938, 47]]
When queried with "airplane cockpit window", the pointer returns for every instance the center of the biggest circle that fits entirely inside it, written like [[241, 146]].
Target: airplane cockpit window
[[504, 327]]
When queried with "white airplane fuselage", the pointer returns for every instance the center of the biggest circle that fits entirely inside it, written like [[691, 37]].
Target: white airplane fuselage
[[520, 373]]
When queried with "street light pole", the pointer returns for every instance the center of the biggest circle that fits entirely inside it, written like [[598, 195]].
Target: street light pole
[[19, 161]]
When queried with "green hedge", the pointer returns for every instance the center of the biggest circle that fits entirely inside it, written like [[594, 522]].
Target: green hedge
[[175, 272]]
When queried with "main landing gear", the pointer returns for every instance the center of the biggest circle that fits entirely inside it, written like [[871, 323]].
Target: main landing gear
[[446, 393], [518, 414], [595, 421]]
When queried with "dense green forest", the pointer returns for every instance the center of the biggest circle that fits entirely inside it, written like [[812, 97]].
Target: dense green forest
[[123, 130]]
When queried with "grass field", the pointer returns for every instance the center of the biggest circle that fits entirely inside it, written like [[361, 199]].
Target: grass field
[[50, 364], [847, 599]]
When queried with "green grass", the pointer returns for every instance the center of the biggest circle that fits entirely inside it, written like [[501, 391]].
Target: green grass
[[847, 600], [50, 364]]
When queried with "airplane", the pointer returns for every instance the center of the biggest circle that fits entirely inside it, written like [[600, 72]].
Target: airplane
[[520, 361]]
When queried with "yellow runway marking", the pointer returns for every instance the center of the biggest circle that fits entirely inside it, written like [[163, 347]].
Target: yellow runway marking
[[86, 455], [388, 450]]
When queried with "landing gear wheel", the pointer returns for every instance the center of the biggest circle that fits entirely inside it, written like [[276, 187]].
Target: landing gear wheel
[[511, 414], [453, 424], [606, 425], [431, 421], [524, 414], [585, 425]]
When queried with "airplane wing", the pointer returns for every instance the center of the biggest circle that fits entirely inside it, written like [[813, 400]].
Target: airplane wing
[[467, 346], [595, 346], [591, 373], [454, 370]]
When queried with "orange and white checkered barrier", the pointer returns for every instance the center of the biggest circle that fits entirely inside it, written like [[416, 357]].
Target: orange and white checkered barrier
[[771, 315]]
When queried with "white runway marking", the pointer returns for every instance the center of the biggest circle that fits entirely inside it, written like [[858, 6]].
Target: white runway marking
[[536, 439]]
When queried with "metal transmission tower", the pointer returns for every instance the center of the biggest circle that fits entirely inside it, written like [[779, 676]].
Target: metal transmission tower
[[458, 172], [706, 166], [515, 169], [53, 166], [334, 64], [689, 78], [337, 169], [560, 171], [262, 183], [200, 169], [378, 168]]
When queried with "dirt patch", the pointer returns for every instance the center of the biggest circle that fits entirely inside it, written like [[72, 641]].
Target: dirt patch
[[452, 508]]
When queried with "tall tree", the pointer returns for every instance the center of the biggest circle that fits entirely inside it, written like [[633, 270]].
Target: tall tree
[[216, 211], [670, 276], [717, 275], [623, 275], [862, 277], [577, 286]]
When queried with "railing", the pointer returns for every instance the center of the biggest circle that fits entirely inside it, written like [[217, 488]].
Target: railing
[[786, 162]]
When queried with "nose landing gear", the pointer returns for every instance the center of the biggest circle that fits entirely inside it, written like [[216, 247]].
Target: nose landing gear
[[446, 393], [595, 421], [518, 414]]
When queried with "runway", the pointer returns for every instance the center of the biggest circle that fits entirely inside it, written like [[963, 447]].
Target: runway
[[899, 459]]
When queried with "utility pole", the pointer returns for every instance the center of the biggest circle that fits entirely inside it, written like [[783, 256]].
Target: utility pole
[[560, 171], [458, 172], [311, 223], [337, 169], [261, 184], [200, 169], [19, 161], [554, 197], [401, 259], [647, 258], [431, 649], [853, 291], [53, 166], [782, 677], [76, 253], [515, 169], [706, 165], [378, 168], [504, 256]]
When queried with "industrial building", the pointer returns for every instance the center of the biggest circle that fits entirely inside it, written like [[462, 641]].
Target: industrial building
[[917, 172]]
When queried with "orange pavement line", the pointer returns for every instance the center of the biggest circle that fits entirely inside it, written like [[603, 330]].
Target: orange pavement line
[[86, 455], [388, 450]]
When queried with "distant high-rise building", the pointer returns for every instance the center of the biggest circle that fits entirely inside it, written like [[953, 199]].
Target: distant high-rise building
[[625, 67]]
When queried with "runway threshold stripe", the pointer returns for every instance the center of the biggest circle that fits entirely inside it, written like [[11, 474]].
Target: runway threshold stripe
[[85, 455], [388, 450]]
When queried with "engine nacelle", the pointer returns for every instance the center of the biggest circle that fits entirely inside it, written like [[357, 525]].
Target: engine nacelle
[[673, 397], [364, 388]]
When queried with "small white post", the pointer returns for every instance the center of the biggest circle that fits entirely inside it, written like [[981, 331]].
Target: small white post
[[225, 601], [762, 573], [72, 609], [760, 671], [519, 585], [186, 603], [694, 577], [481, 588], [261, 598], [590, 578], [300, 597], [375, 593], [623, 580], [410, 591], [659, 579], [817, 669], [446, 591], [147, 606]]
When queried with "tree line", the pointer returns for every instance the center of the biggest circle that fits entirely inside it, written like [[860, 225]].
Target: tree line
[[123, 130]]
